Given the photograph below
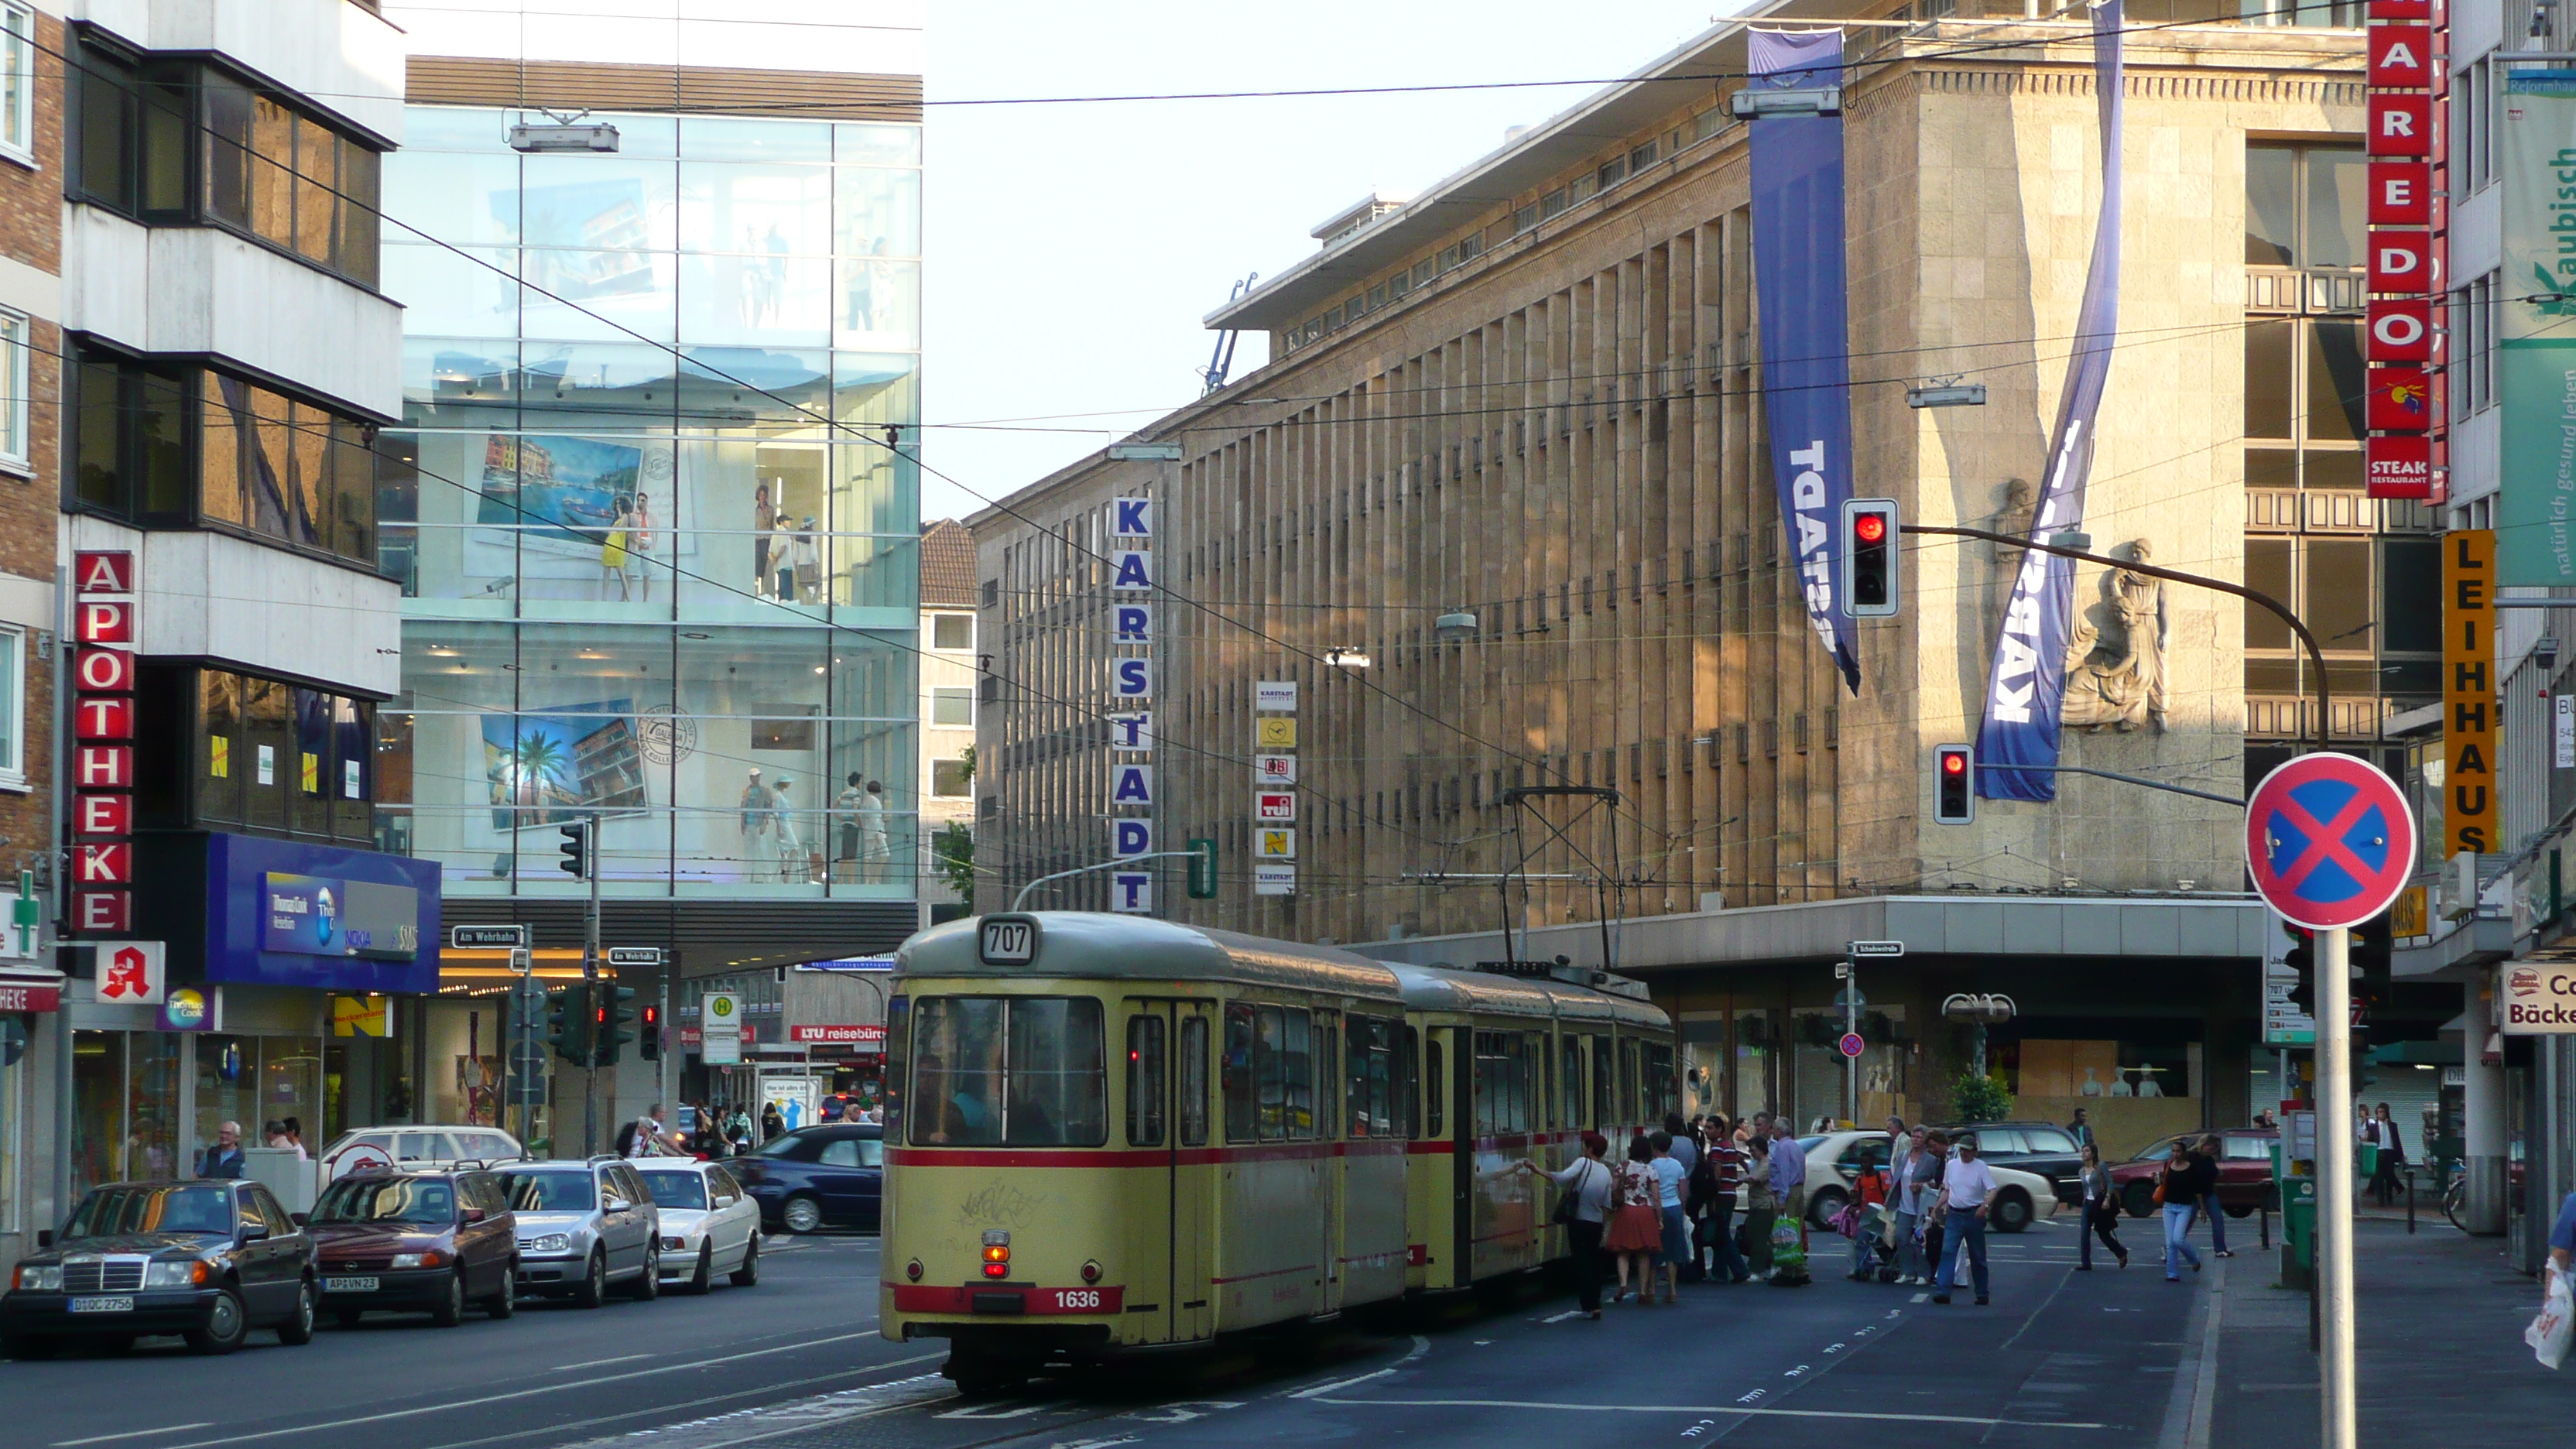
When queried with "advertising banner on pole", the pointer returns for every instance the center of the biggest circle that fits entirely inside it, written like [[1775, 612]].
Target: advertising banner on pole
[[1805, 318], [2536, 337], [2026, 683]]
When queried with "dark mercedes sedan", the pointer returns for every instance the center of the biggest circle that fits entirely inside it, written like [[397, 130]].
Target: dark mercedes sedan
[[209, 1260], [416, 1242], [827, 1175]]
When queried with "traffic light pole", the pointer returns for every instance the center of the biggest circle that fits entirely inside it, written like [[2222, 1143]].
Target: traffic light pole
[[2334, 1184], [590, 975]]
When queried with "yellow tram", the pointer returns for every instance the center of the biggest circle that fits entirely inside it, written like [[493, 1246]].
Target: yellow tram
[[1112, 1133]]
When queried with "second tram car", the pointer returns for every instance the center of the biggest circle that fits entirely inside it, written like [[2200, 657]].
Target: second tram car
[[1111, 1133]]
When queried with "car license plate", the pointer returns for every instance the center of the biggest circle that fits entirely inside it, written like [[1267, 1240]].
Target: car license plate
[[103, 1305], [348, 1285]]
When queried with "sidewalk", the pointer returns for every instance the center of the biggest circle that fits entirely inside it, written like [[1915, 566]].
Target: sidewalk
[[2441, 1356]]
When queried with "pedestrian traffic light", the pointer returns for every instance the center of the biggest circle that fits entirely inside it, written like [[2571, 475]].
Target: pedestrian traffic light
[[613, 1007], [648, 1042], [2302, 959], [1203, 869], [568, 1022], [576, 849], [1869, 549], [1954, 784]]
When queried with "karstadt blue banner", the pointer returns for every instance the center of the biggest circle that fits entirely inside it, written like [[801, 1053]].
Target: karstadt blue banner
[[2026, 685], [1806, 334]]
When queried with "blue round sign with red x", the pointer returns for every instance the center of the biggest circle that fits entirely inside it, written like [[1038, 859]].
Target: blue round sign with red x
[[2330, 840]]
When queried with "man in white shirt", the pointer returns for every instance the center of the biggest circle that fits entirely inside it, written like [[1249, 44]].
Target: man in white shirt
[[1967, 1193]]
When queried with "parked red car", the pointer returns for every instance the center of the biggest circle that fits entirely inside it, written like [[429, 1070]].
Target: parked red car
[[2244, 1173]]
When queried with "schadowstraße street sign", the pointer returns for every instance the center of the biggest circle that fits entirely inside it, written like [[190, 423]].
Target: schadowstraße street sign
[[486, 938], [1864, 950], [622, 957]]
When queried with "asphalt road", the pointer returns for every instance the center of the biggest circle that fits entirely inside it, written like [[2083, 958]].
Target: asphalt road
[[2060, 1358]]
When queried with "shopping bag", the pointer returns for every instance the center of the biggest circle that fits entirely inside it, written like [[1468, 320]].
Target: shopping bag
[[2549, 1332]]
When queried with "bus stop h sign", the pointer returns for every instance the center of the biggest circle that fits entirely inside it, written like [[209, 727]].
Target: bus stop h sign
[[2329, 840]]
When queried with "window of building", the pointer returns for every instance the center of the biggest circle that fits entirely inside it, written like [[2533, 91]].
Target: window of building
[[13, 707], [185, 143], [259, 462], [2473, 338], [2304, 206], [952, 631], [14, 359], [2473, 117], [953, 706], [216, 749], [950, 779], [17, 81]]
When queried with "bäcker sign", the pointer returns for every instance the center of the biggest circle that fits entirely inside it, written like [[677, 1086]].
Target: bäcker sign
[[2539, 999]]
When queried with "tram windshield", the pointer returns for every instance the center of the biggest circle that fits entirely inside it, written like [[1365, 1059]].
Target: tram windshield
[[1008, 1071]]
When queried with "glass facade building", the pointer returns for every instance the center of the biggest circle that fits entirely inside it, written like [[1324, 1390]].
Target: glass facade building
[[654, 506]]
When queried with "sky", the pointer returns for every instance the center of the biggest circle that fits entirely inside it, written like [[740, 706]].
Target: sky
[[1071, 250]]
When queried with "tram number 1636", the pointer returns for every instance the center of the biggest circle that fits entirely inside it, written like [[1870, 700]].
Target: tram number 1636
[[1007, 941], [1076, 1300]]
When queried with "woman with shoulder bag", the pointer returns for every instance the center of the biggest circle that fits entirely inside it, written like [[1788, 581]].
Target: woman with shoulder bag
[[2101, 1212], [1636, 1231], [1761, 1206], [1582, 1206]]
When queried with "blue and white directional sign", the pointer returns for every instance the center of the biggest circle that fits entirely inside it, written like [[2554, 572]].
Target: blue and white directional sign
[[2329, 840]]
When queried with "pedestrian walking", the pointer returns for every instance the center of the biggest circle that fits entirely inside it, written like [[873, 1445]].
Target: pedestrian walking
[[1726, 1166], [2178, 1188], [1968, 1194], [1699, 1195], [2392, 1157], [2209, 1149], [1669, 1178], [2101, 1211], [1636, 1231], [1588, 1179], [1789, 1177], [771, 1122], [2081, 1129], [1905, 1201], [1760, 1207]]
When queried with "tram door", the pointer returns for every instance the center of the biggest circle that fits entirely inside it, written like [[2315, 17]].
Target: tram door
[[1191, 1177]]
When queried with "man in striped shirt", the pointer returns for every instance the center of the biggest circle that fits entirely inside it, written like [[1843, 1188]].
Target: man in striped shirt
[[1727, 1159]]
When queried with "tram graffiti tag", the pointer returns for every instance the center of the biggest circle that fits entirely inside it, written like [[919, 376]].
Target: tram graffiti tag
[[999, 1203]]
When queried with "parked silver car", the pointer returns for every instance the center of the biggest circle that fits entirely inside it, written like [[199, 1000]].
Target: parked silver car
[[584, 1226], [709, 1225]]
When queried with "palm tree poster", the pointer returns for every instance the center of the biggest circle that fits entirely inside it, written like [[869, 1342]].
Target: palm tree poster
[[554, 767]]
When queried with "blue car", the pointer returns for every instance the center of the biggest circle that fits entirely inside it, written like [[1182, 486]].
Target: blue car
[[831, 1175]]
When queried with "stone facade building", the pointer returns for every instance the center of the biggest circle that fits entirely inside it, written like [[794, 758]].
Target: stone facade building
[[1533, 395]]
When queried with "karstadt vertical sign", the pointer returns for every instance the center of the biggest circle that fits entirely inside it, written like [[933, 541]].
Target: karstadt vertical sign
[[2536, 334]]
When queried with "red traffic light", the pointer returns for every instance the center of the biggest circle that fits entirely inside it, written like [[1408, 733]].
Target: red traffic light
[[1952, 764], [1871, 527]]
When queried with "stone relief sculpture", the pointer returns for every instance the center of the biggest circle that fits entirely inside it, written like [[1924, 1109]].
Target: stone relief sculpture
[[2115, 675]]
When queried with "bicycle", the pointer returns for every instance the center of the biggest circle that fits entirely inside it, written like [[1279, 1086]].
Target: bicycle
[[2455, 1192]]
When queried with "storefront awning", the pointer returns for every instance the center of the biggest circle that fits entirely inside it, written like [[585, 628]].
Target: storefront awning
[[485, 973]]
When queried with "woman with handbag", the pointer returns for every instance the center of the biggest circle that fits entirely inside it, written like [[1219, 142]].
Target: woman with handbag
[[1636, 1231], [1582, 1205], [2101, 1212], [1761, 1205]]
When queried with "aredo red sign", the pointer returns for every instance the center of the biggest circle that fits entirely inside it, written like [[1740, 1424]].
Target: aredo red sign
[[2329, 840]]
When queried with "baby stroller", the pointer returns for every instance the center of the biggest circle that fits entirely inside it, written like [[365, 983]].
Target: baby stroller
[[1868, 1223]]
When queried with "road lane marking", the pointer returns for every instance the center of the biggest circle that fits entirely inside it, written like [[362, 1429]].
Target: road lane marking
[[1560, 1318], [129, 1434], [796, 1416], [997, 1411], [1595, 1407], [597, 1362], [660, 1371]]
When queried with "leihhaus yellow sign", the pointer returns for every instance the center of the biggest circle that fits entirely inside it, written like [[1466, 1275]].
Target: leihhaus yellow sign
[[2468, 691]]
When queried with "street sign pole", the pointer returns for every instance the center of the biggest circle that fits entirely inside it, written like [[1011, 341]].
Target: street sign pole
[[590, 975], [2334, 1182], [1851, 1023]]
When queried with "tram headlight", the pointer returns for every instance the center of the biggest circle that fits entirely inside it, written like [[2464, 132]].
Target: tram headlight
[[1091, 1271]]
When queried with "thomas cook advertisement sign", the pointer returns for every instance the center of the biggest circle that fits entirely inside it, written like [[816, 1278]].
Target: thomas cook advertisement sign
[[2536, 514]]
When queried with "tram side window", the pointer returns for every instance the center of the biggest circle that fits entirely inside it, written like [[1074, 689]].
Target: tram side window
[[1270, 1069], [1371, 1078], [1569, 1081], [1604, 1114], [1631, 1076], [1439, 1085], [1502, 1082], [1328, 1058], [957, 1071], [1194, 1081], [1297, 1074], [1240, 1109], [1145, 1081], [1663, 1093], [1408, 1079]]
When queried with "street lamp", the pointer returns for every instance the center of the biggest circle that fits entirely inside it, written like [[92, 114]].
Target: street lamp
[[563, 137], [1450, 628], [1946, 393], [1751, 104]]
